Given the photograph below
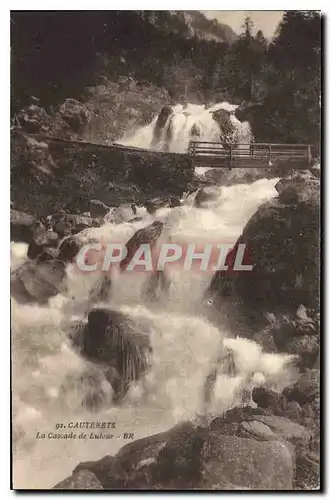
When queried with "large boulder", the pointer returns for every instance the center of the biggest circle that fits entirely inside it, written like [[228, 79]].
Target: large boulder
[[231, 462], [282, 238], [193, 458], [37, 281], [147, 235], [110, 339]]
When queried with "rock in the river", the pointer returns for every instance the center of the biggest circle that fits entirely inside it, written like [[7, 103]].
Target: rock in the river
[[282, 238], [45, 239], [265, 398], [37, 282], [202, 196], [228, 132], [110, 339], [69, 248], [71, 245], [98, 208], [147, 235], [22, 226], [162, 202]]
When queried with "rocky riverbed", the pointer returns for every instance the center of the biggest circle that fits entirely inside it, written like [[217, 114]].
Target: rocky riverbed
[[268, 437]]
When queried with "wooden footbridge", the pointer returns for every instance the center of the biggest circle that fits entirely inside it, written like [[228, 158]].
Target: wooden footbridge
[[215, 154], [252, 155]]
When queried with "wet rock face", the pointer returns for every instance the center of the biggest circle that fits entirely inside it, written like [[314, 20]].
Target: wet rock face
[[109, 339], [283, 240], [149, 234], [228, 131]]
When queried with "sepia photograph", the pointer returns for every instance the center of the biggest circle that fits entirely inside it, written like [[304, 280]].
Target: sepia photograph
[[165, 250]]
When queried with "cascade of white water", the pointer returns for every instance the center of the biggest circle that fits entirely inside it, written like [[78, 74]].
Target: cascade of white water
[[190, 122]]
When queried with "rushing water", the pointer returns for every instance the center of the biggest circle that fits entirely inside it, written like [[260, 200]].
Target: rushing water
[[46, 385], [185, 123]]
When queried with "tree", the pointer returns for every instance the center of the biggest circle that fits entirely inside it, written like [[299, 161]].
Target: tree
[[294, 83], [245, 60]]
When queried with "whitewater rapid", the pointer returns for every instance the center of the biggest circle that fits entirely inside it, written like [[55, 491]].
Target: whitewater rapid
[[46, 371]]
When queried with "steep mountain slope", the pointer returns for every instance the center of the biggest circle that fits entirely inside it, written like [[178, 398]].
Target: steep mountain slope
[[207, 29]]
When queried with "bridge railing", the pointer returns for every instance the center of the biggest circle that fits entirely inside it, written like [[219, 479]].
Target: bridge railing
[[259, 151]]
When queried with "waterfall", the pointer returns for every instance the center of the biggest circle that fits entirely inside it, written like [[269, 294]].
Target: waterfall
[[185, 123]]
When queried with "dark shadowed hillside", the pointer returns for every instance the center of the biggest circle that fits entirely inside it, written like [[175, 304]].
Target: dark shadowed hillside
[[179, 54]]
